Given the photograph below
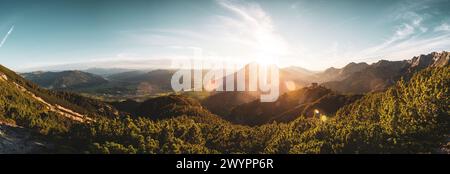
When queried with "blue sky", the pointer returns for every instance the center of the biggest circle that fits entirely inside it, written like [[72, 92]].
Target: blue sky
[[314, 34]]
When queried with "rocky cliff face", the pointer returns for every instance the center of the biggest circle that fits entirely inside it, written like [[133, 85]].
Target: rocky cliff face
[[431, 60], [381, 75]]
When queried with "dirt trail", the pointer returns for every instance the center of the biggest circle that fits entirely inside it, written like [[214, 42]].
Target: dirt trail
[[54, 108], [3, 77]]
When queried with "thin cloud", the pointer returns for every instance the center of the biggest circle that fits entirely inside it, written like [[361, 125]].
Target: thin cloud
[[6, 36], [442, 27], [410, 38]]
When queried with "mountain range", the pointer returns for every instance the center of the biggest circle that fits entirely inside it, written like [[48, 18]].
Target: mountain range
[[362, 78], [354, 78], [335, 88]]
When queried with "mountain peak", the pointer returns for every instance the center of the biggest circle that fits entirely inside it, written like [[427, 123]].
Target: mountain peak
[[434, 59]]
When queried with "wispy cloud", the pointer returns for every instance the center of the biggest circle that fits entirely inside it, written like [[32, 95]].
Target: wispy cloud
[[6, 36], [412, 26], [410, 37], [442, 27]]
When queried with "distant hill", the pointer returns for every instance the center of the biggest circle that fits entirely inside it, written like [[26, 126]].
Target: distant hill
[[163, 107], [65, 79], [125, 76], [128, 106], [105, 72], [334, 74], [224, 102], [383, 74]]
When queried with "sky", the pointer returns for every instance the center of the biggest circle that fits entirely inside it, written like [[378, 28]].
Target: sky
[[313, 34]]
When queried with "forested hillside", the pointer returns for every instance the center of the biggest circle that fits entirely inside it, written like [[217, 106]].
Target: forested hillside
[[17, 107]]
